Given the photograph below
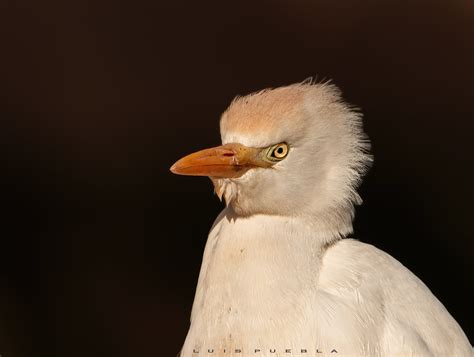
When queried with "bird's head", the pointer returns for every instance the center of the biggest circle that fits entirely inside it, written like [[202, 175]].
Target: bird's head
[[290, 151]]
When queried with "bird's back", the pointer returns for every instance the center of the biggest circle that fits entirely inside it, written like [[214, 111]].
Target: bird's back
[[393, 310]]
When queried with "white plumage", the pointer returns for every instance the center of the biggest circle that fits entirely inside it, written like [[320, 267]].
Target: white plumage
[[277, 277]]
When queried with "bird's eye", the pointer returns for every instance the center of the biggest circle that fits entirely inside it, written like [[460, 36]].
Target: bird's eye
[[278, 152]]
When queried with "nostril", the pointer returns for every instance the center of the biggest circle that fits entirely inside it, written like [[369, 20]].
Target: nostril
[[229, 154]]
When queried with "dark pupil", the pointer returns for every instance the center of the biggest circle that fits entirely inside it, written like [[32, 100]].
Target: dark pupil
[[280, 150]]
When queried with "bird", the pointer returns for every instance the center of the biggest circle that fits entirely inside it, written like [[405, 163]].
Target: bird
[[280, 275]]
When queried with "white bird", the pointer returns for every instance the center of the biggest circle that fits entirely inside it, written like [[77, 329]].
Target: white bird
[[278, 276]]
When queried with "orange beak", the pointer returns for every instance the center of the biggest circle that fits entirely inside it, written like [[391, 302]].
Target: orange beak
[[230, 161]]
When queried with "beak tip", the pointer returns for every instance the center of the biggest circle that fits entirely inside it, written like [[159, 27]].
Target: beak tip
[[173, 169]]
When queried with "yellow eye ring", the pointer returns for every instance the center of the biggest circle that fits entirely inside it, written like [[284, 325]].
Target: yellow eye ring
[[278, 152]]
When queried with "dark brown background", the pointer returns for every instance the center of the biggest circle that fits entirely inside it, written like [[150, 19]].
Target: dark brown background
[[101, 246]]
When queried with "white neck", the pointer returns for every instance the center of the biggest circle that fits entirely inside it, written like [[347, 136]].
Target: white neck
[[251, 268]]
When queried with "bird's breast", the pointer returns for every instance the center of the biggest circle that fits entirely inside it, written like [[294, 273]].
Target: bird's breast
[[257, 286]]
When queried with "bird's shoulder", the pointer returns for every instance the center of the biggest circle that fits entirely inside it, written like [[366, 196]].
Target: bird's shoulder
[[358, 274], [353, 264], [351, 267], [349, 262]]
